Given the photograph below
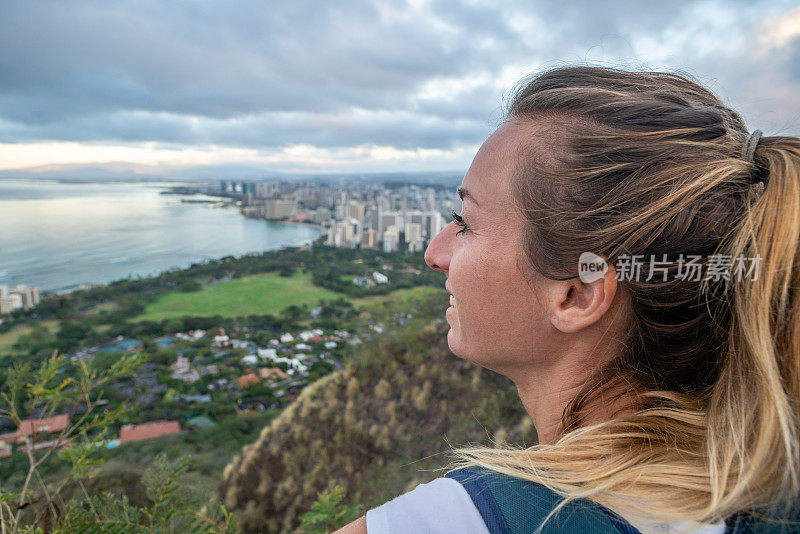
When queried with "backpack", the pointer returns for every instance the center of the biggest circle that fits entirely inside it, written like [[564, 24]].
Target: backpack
[[510, 505]]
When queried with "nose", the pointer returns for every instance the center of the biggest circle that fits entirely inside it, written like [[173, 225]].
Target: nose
[[438, 253]]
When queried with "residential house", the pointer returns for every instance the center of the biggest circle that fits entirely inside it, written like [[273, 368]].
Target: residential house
[[287, 338], [149, 430], [48, 425], [201, 421], [246, 380], [191, 335], [272, 373], [267, 353], [239, 343], [252, 404], [182, 370], [221, 340], [211, 369], [221, 383]]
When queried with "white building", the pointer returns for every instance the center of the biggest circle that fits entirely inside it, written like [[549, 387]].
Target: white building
[[414, 237], [380, 278], [279, 209], [21, 297], [267, 354], [391, 239]]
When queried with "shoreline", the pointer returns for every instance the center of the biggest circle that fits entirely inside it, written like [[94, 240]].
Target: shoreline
[[89, 285], [167, 189]]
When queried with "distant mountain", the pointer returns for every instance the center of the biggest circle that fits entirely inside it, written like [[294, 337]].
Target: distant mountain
[[123, 171], [377, 428]]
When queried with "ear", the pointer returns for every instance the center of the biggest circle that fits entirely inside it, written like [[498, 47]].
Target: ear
[[576, 304]]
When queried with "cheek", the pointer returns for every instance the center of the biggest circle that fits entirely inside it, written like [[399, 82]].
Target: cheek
[[492, 291], [501, 307]]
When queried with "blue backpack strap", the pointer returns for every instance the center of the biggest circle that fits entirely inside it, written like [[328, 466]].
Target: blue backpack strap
[[772, 521], [510, 505]]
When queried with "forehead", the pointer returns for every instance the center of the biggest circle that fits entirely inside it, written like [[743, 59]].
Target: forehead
[[495, 164]]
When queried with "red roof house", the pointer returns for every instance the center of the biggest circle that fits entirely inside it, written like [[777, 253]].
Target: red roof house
[[149, 430], [246, 380], [272, 373], [48, 425]]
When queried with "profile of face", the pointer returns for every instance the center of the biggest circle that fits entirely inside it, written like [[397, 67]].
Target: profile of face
[[500, 318]]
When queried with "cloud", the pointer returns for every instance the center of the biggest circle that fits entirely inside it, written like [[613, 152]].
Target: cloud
[[416, 77]]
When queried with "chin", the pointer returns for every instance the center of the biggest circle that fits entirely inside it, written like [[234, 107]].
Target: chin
[[457, 347], [453, 343]]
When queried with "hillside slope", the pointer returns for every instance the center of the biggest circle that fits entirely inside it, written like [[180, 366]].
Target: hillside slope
[[377, 428]]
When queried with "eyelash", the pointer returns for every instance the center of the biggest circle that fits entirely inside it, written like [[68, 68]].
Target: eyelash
[[460, 223]]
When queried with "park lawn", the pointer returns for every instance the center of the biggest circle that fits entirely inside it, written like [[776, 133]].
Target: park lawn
[[8, 339], [397, 295], [258, 294]]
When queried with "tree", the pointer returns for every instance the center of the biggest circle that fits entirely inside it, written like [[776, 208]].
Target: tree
[[328, 513], [73, 389], [59, 386], [174, 508]]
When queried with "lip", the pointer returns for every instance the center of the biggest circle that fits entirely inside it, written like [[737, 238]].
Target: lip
[[451, 308]]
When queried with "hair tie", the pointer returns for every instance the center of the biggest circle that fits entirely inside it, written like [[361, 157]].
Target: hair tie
[[748, 150], [750, 144]]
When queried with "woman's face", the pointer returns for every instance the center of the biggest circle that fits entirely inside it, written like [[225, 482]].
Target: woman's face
[[497, 320]]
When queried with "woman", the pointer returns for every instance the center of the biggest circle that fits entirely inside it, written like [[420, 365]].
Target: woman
[[662, 373]]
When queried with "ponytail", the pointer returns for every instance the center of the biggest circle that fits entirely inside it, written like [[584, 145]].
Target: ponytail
[[755, 405]]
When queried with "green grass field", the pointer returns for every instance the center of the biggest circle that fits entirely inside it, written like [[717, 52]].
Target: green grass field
[[9, 338], [259, 294], [255, 295]]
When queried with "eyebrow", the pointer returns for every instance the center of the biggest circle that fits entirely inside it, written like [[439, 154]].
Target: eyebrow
[[463, 193]]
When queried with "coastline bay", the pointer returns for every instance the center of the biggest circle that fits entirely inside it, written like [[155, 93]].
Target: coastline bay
[[56, 235]]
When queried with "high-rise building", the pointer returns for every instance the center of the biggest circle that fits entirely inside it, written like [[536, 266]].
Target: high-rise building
[[280, 209], [390, 218], [369, 238], [371, 218], [344, 233], [413, 236], [391, 239], [355, 210], [22, 296], [322, 214], [10, 303], [433, 223]]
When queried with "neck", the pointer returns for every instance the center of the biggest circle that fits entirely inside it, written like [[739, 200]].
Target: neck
[[545, 393]]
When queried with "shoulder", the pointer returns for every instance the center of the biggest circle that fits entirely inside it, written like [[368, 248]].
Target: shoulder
[[509, 505], [441, 506]]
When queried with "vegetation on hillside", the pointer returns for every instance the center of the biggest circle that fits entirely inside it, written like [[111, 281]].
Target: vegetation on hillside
[[376, 419], [376, 429]]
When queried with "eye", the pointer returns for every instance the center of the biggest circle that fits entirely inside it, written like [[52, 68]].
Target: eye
[[460, 223]]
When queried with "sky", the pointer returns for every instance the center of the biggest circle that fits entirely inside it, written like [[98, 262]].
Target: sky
[[202, 89]]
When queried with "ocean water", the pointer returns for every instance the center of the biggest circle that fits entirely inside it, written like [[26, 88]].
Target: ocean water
[[58, 235]]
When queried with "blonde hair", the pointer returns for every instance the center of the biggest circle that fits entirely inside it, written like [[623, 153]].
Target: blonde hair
[[649, 163]]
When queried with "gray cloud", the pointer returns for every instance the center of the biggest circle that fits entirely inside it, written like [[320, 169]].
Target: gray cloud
[[269, 75]]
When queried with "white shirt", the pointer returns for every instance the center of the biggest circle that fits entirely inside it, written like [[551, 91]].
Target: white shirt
[[443, 506]]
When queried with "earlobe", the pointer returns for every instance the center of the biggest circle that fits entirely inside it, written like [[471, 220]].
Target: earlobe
[[580, 304]]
